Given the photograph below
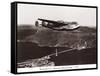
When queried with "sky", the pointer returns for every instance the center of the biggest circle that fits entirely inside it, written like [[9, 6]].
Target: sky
[[29, 13]]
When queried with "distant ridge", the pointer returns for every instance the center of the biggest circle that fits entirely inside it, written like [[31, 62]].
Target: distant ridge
[[51, 38]]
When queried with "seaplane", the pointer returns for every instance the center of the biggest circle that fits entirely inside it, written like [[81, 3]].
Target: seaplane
[[59, 25]]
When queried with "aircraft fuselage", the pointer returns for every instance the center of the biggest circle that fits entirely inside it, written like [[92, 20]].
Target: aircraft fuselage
[[56, 25]]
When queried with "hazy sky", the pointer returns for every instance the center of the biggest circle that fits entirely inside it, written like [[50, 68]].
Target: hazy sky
[[28, 14]]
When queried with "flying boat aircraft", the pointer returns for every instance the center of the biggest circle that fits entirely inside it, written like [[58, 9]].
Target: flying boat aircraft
[[59, 25]]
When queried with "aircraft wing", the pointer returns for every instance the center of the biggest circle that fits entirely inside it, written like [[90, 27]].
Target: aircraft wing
[[51, 21]]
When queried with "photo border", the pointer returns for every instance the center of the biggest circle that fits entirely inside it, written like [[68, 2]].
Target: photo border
[[14, 35]]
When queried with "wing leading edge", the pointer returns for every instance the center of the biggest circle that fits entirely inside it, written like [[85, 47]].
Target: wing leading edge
[[51, 21]]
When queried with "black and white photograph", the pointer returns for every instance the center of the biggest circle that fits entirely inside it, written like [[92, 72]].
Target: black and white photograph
[[55, 37]]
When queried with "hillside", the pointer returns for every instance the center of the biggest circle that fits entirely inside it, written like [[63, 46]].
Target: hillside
[[84, 36], [37, 42]]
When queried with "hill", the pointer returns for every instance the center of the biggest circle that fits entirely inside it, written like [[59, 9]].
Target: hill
[[36, 42], [84, 36]]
